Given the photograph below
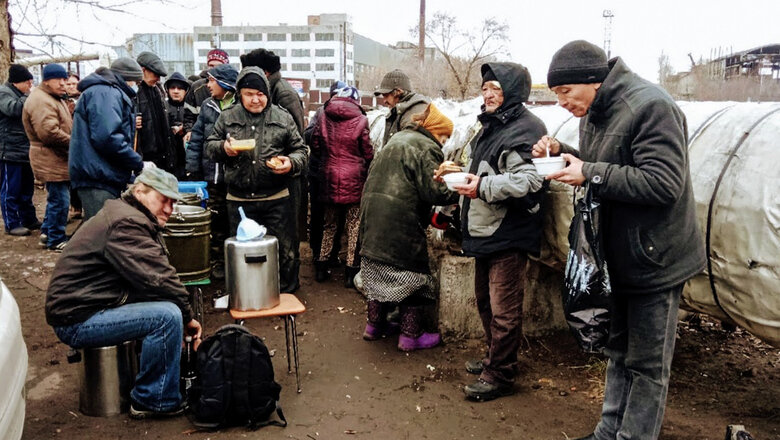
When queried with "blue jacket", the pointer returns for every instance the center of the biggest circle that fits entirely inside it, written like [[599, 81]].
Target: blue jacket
[[101, 144], [14, 145], [199, 166]]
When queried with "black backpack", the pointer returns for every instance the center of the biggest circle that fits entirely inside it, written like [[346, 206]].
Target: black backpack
[[235, 384]]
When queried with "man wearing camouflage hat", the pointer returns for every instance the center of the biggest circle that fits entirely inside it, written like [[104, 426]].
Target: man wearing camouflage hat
[[396, 89], [114, 283]]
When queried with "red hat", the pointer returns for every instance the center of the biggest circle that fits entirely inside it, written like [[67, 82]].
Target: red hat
[[219, 55]]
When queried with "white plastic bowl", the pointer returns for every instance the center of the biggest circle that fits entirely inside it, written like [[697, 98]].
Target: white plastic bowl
[[453, 179], [548, 165]]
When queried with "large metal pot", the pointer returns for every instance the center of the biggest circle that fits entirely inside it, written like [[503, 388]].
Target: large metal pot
[[252, 273], [187, 239]]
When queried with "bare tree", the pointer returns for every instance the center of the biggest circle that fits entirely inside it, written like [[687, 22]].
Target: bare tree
[[37, 23], [665, 69], [465, 51], [6, 43]]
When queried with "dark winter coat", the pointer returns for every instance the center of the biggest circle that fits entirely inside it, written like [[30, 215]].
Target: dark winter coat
[[634, 144], [199, 165], [175, 112], [117, 257], [154, 136], [283, 95], [397, 199], [48, 123], [401, 115], [342, 141], [197, 93], [14, 145], [101, 147], [506, 215], [274, 130]]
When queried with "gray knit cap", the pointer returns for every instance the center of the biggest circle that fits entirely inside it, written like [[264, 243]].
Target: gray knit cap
[[128, 69], [152, 62], [395, 79], [578, 62]]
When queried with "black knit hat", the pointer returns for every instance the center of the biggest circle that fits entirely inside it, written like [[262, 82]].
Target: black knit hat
[[577, 62], [264, 59], [18, 74], [487, 74], [253, 80]]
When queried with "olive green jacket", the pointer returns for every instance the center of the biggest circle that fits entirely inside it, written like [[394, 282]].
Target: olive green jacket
[[275, 134], [397, 199]]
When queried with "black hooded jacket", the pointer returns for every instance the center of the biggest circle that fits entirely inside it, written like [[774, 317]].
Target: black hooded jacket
[[506, 214]]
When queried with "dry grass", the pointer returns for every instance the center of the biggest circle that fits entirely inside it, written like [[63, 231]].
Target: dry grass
[[596, 369]]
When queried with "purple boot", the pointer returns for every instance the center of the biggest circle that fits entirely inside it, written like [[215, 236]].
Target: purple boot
[[412, 335], [425, 340], [377, 326]]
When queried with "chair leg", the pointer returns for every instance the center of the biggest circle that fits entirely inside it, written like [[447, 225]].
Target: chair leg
[[295, 351], [286, 319]]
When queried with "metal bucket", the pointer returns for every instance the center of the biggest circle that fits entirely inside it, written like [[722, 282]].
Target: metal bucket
[[106, 378], [252, 273], [187, 236]]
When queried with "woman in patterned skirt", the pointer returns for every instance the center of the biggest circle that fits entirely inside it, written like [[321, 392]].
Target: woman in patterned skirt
[[395, 212]]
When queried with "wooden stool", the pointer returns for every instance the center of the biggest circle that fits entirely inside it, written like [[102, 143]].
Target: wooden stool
[[289, 306]]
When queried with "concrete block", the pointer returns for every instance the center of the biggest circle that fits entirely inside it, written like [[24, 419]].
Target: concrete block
[[458, 317]]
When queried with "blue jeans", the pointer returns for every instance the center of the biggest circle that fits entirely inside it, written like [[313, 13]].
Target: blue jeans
[[159, 324], [16, 193], [640, 349], [92, 200], [56, 217]]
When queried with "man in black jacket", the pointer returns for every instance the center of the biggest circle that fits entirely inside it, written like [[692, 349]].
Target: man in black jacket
[[16, 175], [114, 283], [501, 221], [633, 154], [283, 95], [154, 134]]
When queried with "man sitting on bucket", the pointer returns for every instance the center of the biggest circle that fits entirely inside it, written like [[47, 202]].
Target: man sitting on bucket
[[114, 283]]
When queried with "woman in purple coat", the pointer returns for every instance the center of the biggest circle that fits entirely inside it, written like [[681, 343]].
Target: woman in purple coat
[[341, 141]]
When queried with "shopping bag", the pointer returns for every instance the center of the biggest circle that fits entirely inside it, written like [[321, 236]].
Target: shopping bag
[[586, 288]]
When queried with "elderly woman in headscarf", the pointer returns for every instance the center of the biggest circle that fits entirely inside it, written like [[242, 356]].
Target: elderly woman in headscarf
[[395, 211]]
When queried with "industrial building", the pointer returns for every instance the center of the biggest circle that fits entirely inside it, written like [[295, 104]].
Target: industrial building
[[313, 55]]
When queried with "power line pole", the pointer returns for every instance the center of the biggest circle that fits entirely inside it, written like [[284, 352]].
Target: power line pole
[[607, 14], [421, 43], [216, 20]]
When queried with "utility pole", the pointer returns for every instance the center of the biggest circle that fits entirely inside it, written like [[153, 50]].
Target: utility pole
[[607, 14], [421, 43]]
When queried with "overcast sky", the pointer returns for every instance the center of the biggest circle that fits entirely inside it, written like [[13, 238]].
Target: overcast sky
[[641, 31]]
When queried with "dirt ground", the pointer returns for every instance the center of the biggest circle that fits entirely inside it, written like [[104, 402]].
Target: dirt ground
[[358, 389]]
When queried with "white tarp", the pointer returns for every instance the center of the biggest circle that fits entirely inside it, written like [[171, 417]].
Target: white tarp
[[13, 365], [744, 216]]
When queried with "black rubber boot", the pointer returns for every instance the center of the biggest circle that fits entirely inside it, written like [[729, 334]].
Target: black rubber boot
[[320, 271], [349, 276]]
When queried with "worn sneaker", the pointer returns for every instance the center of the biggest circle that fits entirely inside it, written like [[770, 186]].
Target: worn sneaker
[[425, 340], [482, 391], [59, 247], [139, 411], [474, 366], [19, 231]]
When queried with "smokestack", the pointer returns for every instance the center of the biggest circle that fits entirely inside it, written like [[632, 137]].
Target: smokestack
[[216, 12]]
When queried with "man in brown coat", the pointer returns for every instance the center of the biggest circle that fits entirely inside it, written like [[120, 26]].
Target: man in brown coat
[[47, 122]]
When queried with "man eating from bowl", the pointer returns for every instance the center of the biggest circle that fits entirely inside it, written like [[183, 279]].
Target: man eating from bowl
[[258, 179]]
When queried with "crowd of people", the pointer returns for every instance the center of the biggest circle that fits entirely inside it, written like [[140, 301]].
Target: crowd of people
[[125, 128]]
